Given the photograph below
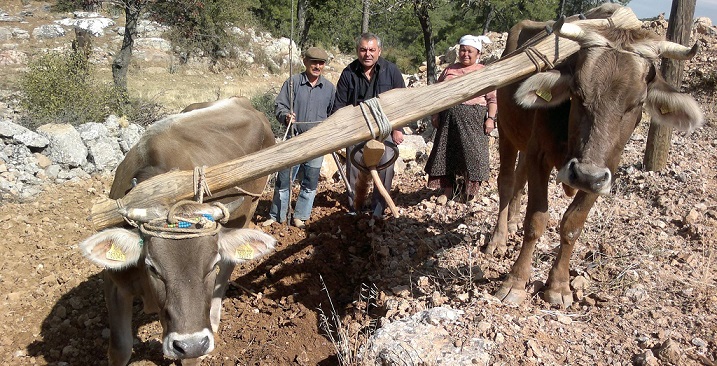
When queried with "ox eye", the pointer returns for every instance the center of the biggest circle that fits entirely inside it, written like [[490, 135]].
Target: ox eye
[[151, 268]]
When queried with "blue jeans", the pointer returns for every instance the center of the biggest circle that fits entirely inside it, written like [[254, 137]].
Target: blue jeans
[[305, 201]]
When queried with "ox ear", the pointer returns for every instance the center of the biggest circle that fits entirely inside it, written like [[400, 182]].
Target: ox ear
[[241, 245], [546, 89], [113, 249], [671, 108]]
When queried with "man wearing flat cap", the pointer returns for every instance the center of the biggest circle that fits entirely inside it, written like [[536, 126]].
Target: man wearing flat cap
[[311, 101]]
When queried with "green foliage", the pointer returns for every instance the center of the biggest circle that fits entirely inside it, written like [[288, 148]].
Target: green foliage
[[581, 6], [202, 27], [72, 5], [58, 87], [265, 104]]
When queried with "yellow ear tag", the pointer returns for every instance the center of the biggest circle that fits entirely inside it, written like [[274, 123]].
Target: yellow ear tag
[[544, 94], [244, 251], [665, 110], [115, 254]]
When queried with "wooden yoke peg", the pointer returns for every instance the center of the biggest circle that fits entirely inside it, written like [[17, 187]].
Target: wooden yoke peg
[[372, 153]]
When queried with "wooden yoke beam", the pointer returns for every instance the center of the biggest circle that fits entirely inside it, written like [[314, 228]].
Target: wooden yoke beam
[[346, 127]]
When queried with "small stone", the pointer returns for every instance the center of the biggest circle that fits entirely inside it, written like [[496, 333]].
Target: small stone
[[437, 299], [20, 353], [646, 358], [692, 217], [61, 312], [669, 352], [699, 342], [564, 319], [69, 351], [483, 326]]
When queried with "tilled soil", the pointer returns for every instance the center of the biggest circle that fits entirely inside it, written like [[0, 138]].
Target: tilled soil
[[644, 271]]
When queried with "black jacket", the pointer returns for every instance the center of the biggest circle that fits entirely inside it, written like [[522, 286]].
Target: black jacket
[[388, 77]]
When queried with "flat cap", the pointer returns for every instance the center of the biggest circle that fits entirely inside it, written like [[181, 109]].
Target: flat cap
[[315, 53]]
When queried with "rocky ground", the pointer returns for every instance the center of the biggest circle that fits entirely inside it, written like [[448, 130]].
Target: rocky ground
[[645, 272], [645, 267]]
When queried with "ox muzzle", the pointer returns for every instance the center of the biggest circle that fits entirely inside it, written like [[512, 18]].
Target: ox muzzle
[[586, 177], [194, 345]]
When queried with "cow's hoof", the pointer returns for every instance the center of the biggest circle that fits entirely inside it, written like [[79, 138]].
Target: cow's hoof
[[495, 248], [511, 295], [560, 298]]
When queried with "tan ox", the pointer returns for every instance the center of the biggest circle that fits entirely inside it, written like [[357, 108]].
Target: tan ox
[[587, 110], [181, 258]]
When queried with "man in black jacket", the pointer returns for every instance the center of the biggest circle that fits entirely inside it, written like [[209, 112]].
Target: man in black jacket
[[365, 78]]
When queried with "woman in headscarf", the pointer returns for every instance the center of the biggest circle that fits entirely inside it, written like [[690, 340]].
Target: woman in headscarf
[[461, 143]]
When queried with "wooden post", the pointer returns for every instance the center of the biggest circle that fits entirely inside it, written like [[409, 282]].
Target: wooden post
[[678, 30], [347, 127]]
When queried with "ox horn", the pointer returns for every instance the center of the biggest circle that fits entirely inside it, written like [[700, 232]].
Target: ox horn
[[218, 213], [677, 51], [143, 214], [575, 32]]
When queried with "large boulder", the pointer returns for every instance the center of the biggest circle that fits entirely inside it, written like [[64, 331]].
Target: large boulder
[[425, 339], [128, 136], [5, 33], [412, 146], [47, 31], [277, 51], [104, 150], [703, 25], [22, 135], [66, 146], [90, 22]]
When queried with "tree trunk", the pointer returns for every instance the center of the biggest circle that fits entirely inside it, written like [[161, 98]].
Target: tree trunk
[[490, 13], [561, 9], [678, 31], [302, 24], [124, 56], [366, 15], [424, 18]]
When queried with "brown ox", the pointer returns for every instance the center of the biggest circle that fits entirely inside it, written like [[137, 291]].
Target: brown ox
[[180, 273], [588, 108]]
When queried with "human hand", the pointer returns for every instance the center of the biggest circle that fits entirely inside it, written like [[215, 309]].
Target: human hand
[[434, 121], [290, 118], [488, 125], [397, 137]]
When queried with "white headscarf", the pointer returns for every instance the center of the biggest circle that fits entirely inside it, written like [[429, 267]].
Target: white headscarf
[[474, 41]]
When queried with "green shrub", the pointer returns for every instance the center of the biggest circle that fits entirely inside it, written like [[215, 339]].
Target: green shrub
[[58, 88], [265, 104]]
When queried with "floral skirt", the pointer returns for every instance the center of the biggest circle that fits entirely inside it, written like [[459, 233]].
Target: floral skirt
[[460, 148]]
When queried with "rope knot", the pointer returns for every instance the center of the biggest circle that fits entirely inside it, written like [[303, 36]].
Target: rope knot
[[372, 107]]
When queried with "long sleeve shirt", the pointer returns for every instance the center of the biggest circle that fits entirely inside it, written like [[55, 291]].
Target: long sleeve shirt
[[311, 103]]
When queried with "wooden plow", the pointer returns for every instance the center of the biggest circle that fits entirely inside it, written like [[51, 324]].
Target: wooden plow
[[352, 125]]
